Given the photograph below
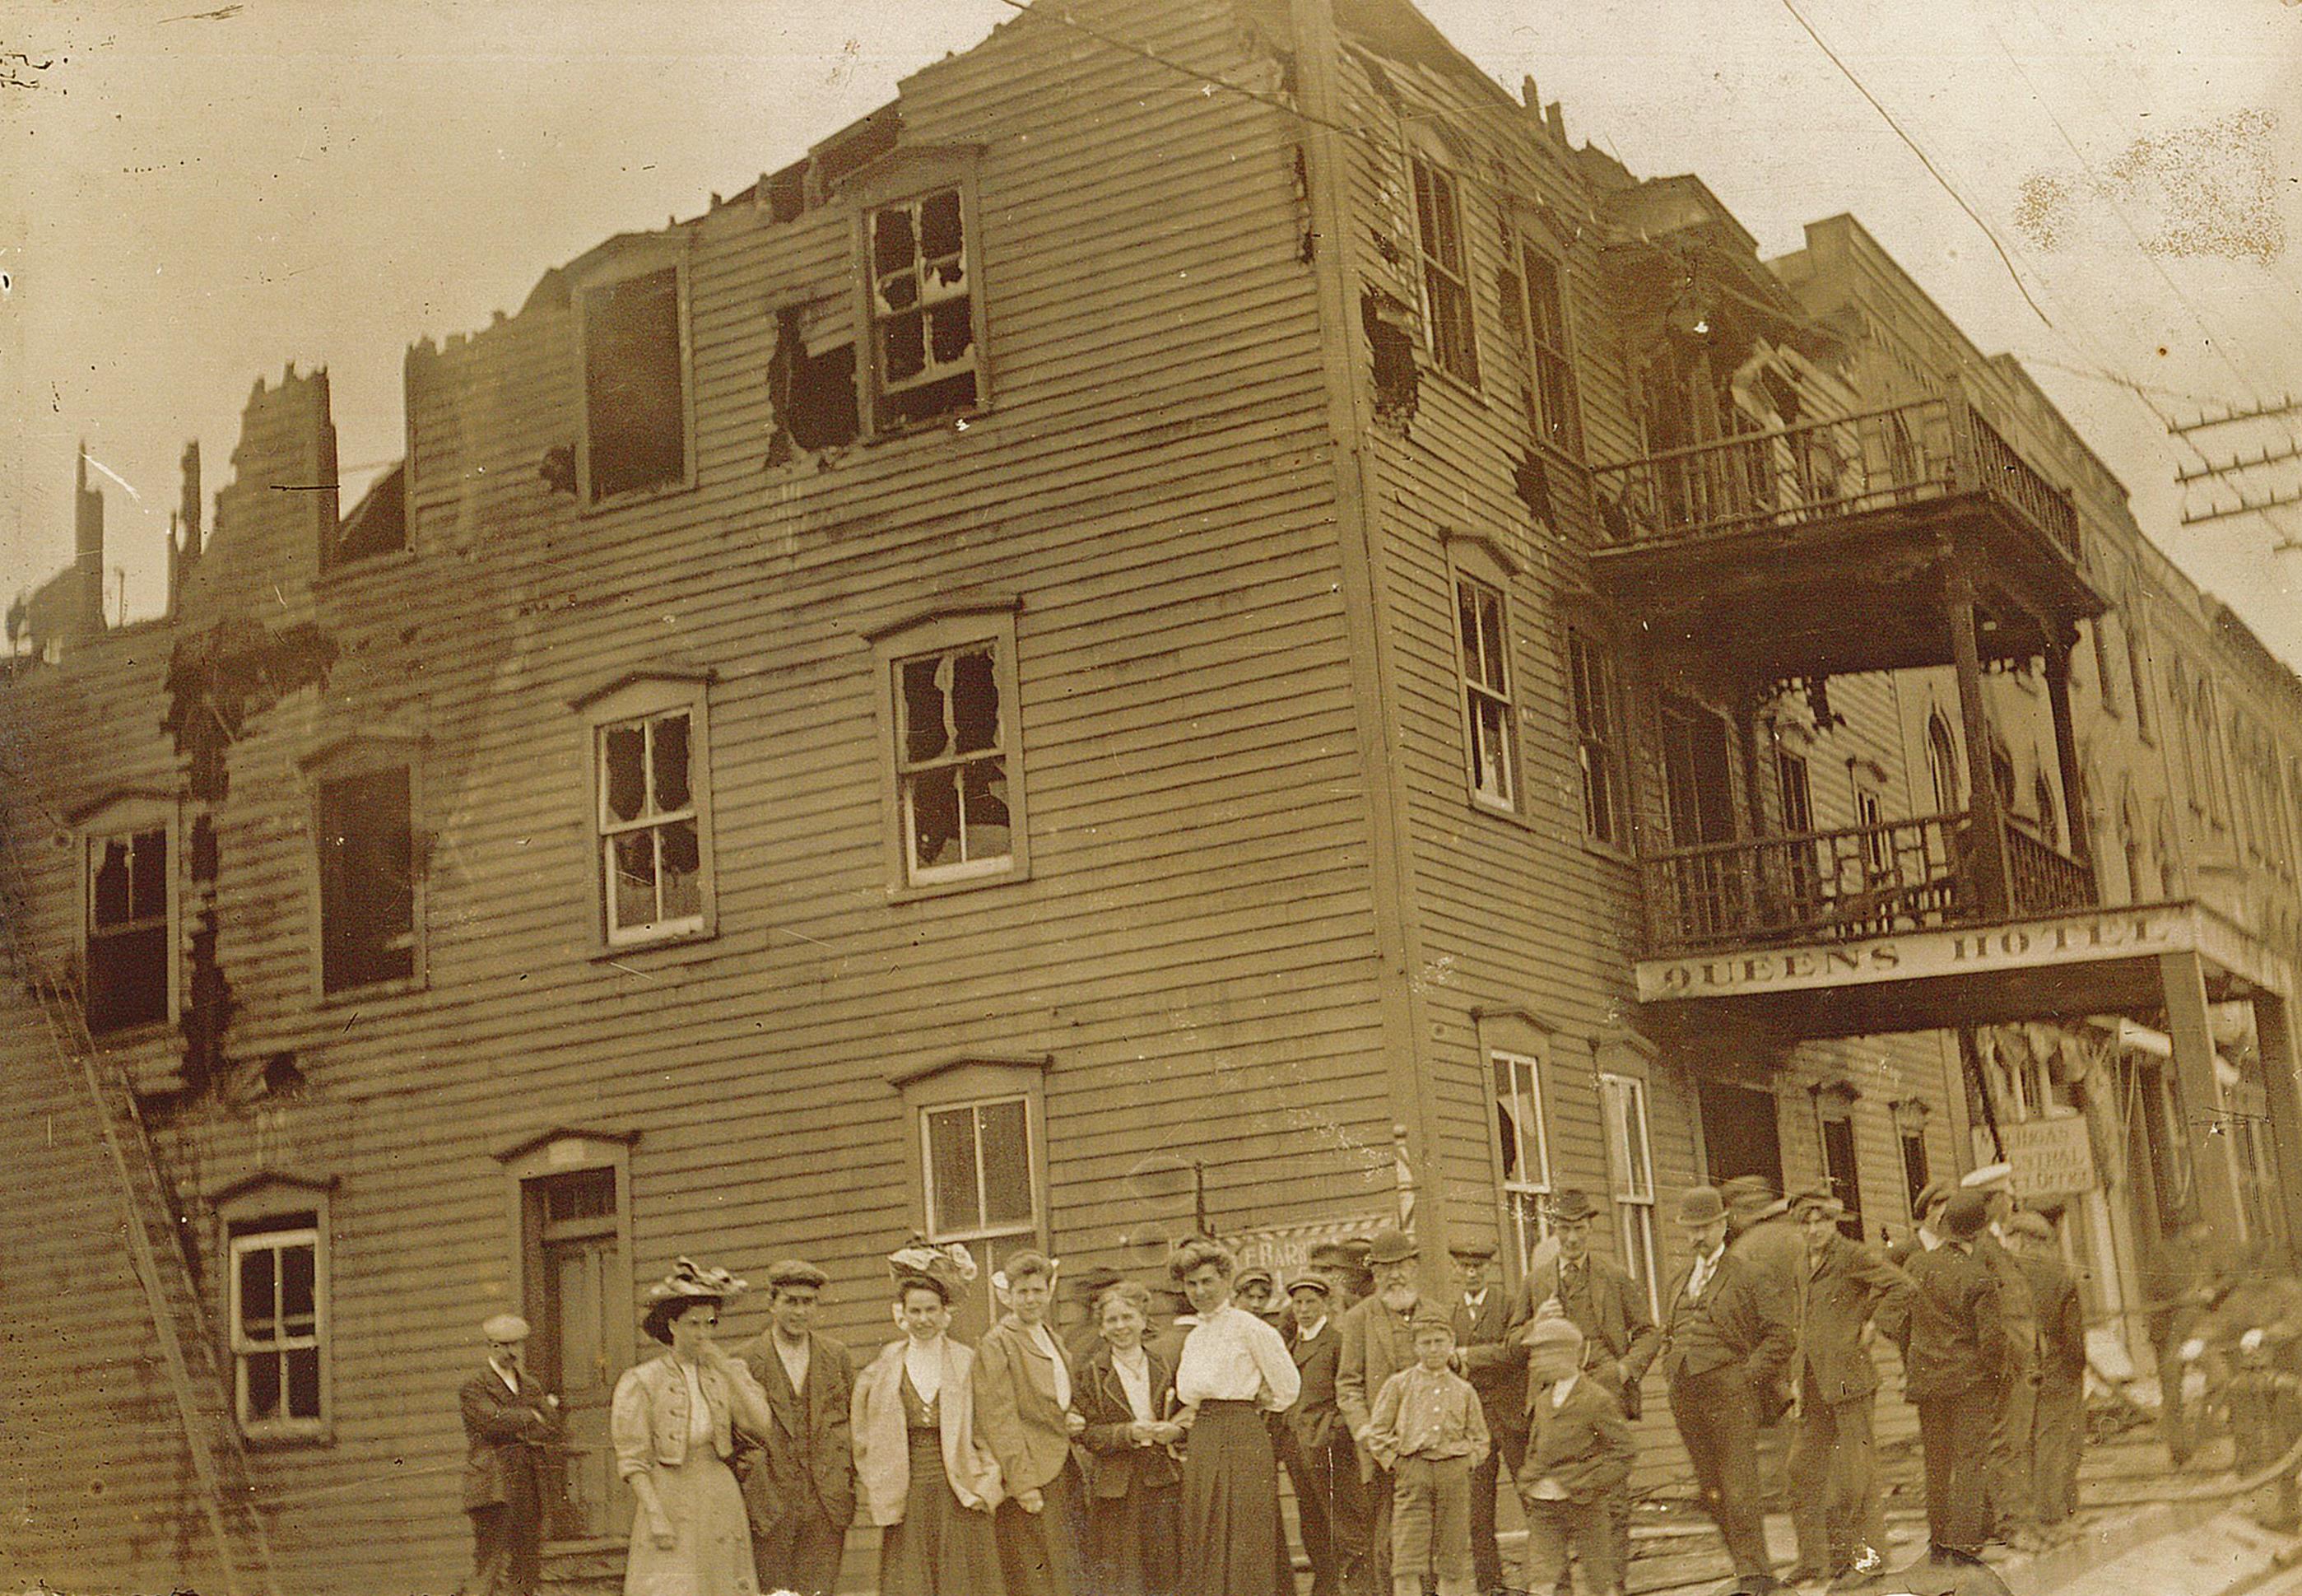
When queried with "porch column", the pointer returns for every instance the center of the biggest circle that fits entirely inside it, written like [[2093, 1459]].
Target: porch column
[[1985, 863], [2195, 1094], [2282, 1075], [2066, 753]]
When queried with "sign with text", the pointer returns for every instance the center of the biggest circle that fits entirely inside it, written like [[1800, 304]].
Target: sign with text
[[1285, 1250], [2027, 944], [2051, 1157]]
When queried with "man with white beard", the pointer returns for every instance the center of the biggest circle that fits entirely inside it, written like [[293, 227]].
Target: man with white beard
[[1374, 1341]]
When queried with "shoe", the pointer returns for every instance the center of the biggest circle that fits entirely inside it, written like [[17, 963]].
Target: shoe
[[1862, 1572]]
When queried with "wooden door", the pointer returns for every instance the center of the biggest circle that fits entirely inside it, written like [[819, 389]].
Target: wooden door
[[572, 1274]]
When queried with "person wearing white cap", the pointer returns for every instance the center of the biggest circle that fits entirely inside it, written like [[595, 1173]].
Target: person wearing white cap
[[2013, 1511], [511, 1422]]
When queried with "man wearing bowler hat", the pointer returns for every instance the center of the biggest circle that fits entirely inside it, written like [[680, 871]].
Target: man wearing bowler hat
[[1373, 1341], [1724, 1347], [799, 1488], [1497, 1371], [510, 1423]]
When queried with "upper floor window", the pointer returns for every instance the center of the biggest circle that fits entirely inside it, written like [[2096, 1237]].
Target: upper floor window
[[1598, 740], [1539, 318], [957, 797], [275, 1300], [367, 879], [650, 810], [2106, 675], [2134, 624], [923, 309], [1485, 645], [636, 434], [129, 937], [1446, 274], [2042, 800]]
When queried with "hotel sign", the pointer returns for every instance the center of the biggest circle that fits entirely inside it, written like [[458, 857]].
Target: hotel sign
[[2026, 945]]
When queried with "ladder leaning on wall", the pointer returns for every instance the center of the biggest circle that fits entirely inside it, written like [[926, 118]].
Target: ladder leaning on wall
[[172, 1294]]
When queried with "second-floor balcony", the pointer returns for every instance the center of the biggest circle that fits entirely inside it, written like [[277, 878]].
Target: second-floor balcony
[[1818, 549], [1851, 884]]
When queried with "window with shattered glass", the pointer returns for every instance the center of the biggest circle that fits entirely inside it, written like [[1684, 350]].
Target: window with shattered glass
[[1526, 1147], [127, 936], [952, 763], [922, 311], [278, 1328], [1486, 689], [1446, 272], [650, 839], [367, 880]]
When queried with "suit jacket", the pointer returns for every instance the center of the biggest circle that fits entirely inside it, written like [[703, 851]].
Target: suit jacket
[[1837, 1296], [1015, 1407], [1116, 1465], [1494, 1364], [1610, 1310], [1742, 1319], [2017, 1312], [2062, 1320], [507, 1436], [1373, 1344], [1312, 1420], [1953, 1340], [1584, 1443], [809, 1461], [1774, 1250]]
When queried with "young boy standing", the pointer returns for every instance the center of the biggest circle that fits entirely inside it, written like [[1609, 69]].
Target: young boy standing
[[1578, 1455], [1427, 1428]]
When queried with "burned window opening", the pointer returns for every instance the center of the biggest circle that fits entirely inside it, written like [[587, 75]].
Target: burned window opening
[[128, 943], [813, 394], [922, 311], [951, 759], [557, 469], [1396, 382], [377, 525], [1530, 481], [635, 385], [367, 880]]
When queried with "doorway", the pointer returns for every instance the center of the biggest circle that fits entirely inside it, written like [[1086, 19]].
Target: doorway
[[571, 1272], [1740, 1135]]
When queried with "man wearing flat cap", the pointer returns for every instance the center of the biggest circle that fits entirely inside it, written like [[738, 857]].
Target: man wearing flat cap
[[2013, 1514], [1314, 1445], [1926, 1213], [1497, 1371], [510, 1423], [1373, 1341], [1835, 1504], [799, 1488], [1727, 1339]]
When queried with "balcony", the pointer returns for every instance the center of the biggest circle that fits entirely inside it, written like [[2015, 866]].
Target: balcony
[[1849, 885], [1818, 549]]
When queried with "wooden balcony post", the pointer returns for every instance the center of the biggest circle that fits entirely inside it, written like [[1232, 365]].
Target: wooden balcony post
[[2206, 1128], [2066, 751], [2281, 1079], [1986, 854]]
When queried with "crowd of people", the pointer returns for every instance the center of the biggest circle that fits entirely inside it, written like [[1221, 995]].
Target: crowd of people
[[1115, 1458]]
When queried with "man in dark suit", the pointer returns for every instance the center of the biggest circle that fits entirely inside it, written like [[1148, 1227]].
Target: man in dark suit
[[2058, 1428], [1619, 1337], [799, 1488], [510, 1423], [1375, 1340], [1497, 1370], [1313, 1443], [1835, 1502], [2013, 1514], [1727, 1337], [1954, 1359]]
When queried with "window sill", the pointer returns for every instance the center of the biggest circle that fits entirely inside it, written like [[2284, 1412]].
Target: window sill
[[956, 422], [1508, 813], [906, 891], [320, 1434], [1465, 389], [602, 951], [1608, 851], [343, 572], [399, 986], [631, 498], [129, 1036]]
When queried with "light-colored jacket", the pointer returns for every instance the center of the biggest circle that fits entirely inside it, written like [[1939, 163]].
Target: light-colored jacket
[[648, 1419], [1015, 1406], [883, 1456]]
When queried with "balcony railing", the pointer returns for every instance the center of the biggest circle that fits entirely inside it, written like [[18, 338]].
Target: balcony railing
[[1821, 470], [1844, 885]]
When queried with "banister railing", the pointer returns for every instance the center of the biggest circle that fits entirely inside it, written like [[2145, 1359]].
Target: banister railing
[[1818, 470], [1812, 885], [2046, 881]]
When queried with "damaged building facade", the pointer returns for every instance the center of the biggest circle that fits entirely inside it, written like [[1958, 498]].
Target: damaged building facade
[[1235, 638]]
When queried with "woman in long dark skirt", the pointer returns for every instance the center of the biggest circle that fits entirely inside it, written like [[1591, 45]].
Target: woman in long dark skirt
[[1134, 1485], [1234, 1369], [921, 1472]]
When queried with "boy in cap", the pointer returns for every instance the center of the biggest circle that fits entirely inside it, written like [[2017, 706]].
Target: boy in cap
[[1497, 1371], [799, 1488], [1427, 1430], [1578, 1456], [1313, 1443], [509, 1424]]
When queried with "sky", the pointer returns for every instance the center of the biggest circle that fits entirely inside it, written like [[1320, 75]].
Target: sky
[[194, 195]]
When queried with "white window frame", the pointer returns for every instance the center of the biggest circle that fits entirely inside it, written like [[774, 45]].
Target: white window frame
[[1562, 433], [344, 758], [1426, 173], [643, 697], [1604, 747], [973, 1082], [1490, 714], [262, 1215], [630, 260], [1634, 1199], [1525, 1201], [985, 1230], [912, 196], [130, 815], [921, 637]]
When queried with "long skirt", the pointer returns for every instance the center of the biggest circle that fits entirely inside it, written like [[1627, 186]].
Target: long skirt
[[1132, 1539], [941, 1549], [710, 1553], [1230, 1502]]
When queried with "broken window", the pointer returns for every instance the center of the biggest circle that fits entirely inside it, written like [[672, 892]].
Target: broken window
[[635, 385], [278, 1324], [128, 943], [1446, 282], [367, 880], [1486, 691], [1598, 741], [650, 826], [951, 763], [813, 390], [1538, 322], [922, 311]]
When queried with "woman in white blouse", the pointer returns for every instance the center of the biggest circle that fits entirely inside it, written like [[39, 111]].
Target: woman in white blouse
[[1234, 1369], [1127, 1398]]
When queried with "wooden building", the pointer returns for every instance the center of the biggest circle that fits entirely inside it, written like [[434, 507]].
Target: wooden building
[[1218, 628]]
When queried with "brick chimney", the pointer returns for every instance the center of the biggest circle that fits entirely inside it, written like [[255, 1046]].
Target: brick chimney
[[87, 551]]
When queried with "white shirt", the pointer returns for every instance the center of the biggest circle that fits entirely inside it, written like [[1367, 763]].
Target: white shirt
[[1134, 1371], [699, 1410], [1232, 1356], [510, 1380], [1046, 1343], [1704, 1267], [1928, 1239], [923, 1362], [1311, 1334], [794, 1360], [1558, 1393], [1475, 1303]]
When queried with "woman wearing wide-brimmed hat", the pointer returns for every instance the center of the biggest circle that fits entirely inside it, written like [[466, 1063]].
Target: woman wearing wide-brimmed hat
[[921, 1473], [674, 1421]]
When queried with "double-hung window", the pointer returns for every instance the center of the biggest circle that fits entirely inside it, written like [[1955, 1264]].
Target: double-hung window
[[632, 328], [950, 716], [923, 310], [1598, 740], [129, 938], [1493, 738], [651, 808], [275, 1290], [1552, 412], [1630, 1169], [368, 920], [1526, 1145], [1446, 274]]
